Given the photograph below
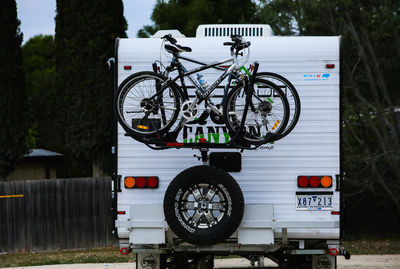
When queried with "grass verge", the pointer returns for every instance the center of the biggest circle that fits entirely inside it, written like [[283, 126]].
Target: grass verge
[[372, 246], [104, 255]]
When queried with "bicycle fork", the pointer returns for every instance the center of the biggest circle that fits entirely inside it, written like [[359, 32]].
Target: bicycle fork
[[249, 89]]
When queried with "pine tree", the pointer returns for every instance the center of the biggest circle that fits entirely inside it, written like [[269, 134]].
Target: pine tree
[[85, 37], [40, 72], [13, 100]]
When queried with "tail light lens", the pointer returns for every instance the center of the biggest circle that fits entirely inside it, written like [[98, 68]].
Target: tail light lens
[[152, 182], [130, 182], [141, 182], [314, 181], [303, 181], [326, 181]]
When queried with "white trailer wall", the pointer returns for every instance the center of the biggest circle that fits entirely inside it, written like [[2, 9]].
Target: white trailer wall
[[269, 174]]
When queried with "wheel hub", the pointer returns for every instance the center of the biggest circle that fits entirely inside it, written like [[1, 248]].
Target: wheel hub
[[203, 206], [147, 104], [265, 107]]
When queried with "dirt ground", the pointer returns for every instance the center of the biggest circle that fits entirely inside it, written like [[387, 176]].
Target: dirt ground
[[356, 262]]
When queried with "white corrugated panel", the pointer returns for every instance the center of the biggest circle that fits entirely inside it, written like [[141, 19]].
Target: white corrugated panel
[[268, 175]]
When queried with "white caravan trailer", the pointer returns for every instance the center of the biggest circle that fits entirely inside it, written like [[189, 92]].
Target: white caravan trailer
[[293, 224]]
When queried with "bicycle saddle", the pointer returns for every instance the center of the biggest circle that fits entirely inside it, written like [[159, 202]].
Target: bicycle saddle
[[175, 48]]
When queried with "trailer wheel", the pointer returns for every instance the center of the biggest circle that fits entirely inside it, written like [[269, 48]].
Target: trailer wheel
[[203, 205]]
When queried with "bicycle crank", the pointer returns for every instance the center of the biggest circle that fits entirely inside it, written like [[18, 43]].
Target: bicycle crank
[[190, 110]]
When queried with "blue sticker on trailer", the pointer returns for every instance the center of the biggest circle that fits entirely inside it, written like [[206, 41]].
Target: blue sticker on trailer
[[317, 76]]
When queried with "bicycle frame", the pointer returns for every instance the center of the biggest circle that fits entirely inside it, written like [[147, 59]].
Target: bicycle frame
[[183, 72], [202, 93]]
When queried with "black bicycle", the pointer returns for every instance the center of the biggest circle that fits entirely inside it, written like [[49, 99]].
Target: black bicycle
[[255, 110]]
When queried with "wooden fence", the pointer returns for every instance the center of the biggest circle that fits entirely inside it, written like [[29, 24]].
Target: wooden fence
[[55, 214]]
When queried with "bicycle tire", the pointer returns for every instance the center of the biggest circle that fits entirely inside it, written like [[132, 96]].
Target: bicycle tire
[[291, 94], [269, 106], [147, 118]]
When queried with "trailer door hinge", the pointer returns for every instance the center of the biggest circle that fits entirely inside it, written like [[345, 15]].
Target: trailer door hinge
[[339, 178]]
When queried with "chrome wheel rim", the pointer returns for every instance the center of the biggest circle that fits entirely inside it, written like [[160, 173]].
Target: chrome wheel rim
[[203, 206]]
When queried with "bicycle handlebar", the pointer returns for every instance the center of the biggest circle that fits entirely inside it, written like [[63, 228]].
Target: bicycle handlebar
[[169, 38], [237, 43]]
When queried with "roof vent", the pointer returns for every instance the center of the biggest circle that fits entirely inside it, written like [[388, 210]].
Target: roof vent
[[226, 30]]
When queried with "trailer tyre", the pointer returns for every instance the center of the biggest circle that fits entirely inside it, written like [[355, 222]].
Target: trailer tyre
[[203, 205]]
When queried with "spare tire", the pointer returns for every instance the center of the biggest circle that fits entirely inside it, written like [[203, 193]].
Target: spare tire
[[203, 205]]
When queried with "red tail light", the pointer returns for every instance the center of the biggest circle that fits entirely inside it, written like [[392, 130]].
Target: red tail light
[[303, 181], [152, 182], [314, 181], [127, 67], [141, 182]]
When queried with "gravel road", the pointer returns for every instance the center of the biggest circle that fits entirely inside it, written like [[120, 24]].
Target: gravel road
[[356, 262]]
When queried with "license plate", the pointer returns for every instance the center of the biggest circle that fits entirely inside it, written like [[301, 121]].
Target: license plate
[[314, 201]]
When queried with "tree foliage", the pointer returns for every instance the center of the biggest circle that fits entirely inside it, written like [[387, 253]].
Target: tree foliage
[[13, 100], [85, 36], [40, 73], [186, 15]]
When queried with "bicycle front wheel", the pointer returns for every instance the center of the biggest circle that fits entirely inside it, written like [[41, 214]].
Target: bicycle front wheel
[[267, 115], [143, 108]]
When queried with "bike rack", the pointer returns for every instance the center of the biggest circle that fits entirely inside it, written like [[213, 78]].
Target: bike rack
[[162, 143]]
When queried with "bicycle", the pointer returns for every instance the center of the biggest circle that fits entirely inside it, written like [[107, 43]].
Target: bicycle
[[148, 103]]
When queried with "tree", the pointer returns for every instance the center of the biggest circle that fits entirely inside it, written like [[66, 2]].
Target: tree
[[40, 73], [85, 37], [186, 15], [13, 101]]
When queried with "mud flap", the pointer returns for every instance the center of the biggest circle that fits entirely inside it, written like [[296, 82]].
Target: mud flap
[[147, 261], [323, 262]]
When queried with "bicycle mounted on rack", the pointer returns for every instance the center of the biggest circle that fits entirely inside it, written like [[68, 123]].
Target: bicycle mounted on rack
[[255, 111]]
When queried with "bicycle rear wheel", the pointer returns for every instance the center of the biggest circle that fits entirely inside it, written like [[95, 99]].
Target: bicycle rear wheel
[[267, 115], [142, 109], [290, 93]]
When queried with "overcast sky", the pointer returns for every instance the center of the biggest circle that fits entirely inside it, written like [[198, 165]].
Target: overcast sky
[[37, 16]]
